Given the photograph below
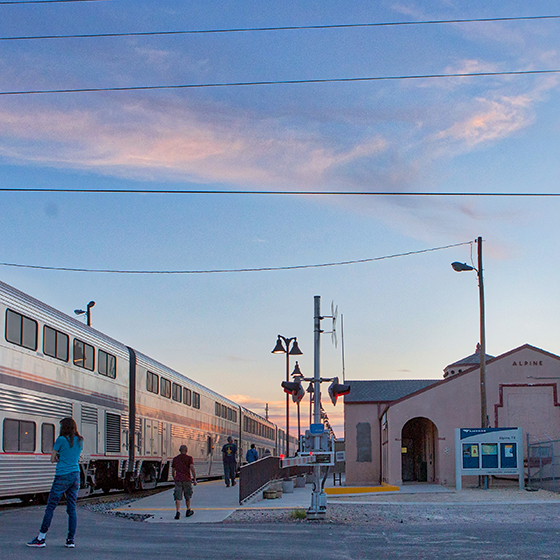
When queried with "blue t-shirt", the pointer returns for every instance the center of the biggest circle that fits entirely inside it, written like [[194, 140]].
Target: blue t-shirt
[[68, 457]]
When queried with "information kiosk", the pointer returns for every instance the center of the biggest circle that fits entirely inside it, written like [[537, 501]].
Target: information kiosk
[[487, 451]]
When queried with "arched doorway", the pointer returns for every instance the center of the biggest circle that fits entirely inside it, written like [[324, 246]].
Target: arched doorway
[[418, 446]]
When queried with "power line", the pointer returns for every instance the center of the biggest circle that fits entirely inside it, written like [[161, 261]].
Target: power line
[[6, 2], [284, 193], [230, 270], [283, 82], [283, 28]]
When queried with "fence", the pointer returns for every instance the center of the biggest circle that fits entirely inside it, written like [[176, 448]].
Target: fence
[[543, 464], [253, 477]]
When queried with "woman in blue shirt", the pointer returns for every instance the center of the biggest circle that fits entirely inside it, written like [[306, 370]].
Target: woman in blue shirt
[[66, 455]]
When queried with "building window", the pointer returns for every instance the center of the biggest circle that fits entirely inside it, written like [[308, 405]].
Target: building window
[[55, 344], [177, 392], [196, 400], [187, 396], [19, 435], [21, 330], [106, 364], [84, 355], [47, 438], [165, 388], [152, 382]]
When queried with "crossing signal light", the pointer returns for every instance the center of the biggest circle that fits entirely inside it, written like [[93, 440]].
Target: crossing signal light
[[337, 389], [295, 389]]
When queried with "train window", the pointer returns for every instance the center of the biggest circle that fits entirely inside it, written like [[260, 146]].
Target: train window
[[47, 438], [55, 344], [177, 392], [84, 355], [196, 400], [165, 388], [152, 382], [217, 409], [21, 330], [19, 435], [234, 418], [106, 364], [187, 396]]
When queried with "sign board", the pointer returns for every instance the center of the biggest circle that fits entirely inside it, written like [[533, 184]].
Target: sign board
[[317, 429], [487, 451]]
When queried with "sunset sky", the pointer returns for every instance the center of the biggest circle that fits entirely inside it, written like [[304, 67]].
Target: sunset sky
[[405, 317]]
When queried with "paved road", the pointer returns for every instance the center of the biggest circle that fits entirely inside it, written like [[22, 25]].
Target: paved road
[[108, 538]]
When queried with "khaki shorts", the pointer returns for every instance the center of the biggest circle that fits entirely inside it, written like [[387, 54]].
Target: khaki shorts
[[183, 488]]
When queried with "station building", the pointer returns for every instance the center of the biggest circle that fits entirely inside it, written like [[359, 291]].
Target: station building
[[402, 431]]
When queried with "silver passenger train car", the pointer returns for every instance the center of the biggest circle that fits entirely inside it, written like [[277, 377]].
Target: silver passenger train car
[[133, 411]]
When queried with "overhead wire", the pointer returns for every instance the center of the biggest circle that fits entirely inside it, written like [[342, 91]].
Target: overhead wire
[[231, 270], [6, 2], [282, 193], [278, 28], [280, 82]]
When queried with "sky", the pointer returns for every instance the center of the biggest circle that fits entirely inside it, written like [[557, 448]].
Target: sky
[[404, 317]]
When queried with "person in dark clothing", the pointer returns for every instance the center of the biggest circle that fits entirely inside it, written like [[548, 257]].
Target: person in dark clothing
[[252, 454], [184, 475], [229, 458]]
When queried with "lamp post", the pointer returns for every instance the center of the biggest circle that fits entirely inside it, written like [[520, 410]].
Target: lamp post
[[462, 267], [288, 346], [298, 376], [87, 312]]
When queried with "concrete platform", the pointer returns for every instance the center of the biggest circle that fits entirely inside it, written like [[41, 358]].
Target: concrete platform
[[213, 502]]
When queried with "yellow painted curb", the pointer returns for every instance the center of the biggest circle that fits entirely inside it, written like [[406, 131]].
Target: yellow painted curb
[[361, 489]]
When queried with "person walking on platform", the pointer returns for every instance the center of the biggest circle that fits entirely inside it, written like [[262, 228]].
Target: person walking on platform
[[66, 454], [229, 458], [184, 475], [252, 454]]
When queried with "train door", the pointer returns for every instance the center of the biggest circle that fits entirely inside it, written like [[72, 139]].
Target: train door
[[150, 437], [209, 453], [88, 429], [164, 431]]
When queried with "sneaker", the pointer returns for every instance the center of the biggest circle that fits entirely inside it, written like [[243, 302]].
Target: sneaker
[[233, 483], [189, 512], [177, 515], [37, 543], [227, 484], [69, 543]]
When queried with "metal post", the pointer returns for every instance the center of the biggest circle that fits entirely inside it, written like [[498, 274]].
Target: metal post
[[483, 407], [317, 509], [287, 399]]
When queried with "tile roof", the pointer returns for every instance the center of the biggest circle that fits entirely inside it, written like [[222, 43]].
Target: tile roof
[[384, 391]]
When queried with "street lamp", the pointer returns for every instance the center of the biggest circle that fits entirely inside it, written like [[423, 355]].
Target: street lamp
[[87, 312], [288, 346], [462, 267], [298, 376]]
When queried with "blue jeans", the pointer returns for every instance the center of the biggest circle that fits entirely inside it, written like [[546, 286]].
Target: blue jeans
[[69, 483], [229, 472]]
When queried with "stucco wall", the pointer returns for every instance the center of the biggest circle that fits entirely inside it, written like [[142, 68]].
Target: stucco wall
[[515, 398], [360, 468]]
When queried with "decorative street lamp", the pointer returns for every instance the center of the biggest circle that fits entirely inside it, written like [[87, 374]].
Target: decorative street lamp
[[87, 312], [288, 346], [298, 376], [462, 267]]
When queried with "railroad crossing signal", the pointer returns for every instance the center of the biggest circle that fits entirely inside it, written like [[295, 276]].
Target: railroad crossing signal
[[337, 389], [295, 389]]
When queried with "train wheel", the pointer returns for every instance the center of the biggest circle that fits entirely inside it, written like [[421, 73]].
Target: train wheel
[[26, 500]]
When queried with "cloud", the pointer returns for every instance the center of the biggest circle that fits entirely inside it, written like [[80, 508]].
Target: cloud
[[492, 120], [145, 140]]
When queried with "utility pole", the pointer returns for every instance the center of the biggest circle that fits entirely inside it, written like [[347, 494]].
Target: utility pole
[[318, 507]]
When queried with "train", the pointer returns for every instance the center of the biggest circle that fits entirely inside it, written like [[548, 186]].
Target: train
[[133, 411]]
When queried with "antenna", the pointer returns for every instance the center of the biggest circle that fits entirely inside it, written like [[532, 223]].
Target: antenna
[[342, 347]]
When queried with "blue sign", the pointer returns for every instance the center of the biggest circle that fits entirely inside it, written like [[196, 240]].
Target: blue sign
[[317, 429]]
